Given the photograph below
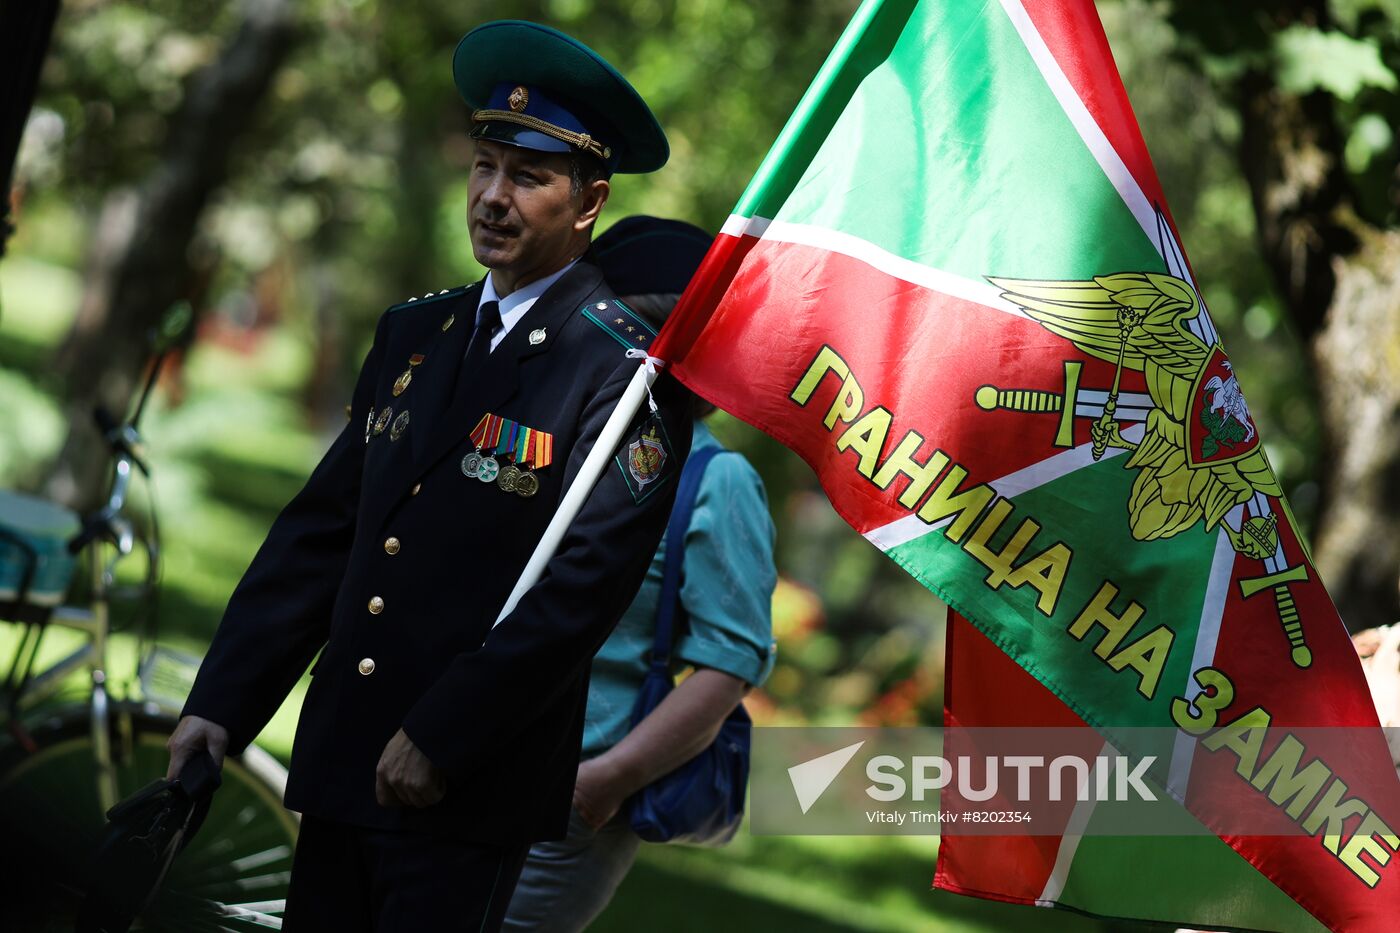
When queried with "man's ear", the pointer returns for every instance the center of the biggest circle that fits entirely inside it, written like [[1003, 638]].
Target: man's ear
[[594, 196]]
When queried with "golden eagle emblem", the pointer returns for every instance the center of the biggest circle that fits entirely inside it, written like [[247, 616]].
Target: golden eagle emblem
[[1199, 456]]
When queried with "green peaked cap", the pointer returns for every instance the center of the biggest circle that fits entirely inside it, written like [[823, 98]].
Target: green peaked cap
[[571, 89]]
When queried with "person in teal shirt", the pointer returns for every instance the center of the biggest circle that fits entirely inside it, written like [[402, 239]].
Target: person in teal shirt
[[726, 590]]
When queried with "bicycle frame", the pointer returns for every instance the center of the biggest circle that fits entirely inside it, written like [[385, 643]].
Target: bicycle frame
[[113, 733], [95, 624]]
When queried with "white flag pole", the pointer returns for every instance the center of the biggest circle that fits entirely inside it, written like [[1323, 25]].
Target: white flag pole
[[588, 475]]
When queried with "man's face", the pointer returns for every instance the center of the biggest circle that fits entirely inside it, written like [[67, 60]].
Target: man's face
[[525, 220]]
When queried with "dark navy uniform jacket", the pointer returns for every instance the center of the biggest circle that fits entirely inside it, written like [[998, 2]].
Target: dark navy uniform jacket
[[501, 710]]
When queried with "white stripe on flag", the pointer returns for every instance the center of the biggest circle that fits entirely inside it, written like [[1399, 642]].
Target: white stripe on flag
[[1074, 831], [1111, 163], [1259, 505], [1093, 135], [1222, 565], [910, 527], [903, 530], [738, 225], [833, 241]]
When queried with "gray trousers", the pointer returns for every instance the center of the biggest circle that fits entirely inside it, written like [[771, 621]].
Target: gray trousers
[[566, 884]]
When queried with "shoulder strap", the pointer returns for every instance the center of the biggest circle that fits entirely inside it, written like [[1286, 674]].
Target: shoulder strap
[[620, 322], [676, 529]]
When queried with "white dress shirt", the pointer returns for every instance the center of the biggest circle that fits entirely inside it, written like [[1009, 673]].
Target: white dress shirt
[[514, 305]]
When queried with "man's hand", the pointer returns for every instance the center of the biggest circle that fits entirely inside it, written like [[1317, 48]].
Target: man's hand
[[599, 791], [192, 736], [405, 777]]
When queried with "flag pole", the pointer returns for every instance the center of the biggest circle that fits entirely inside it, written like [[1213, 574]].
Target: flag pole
[[588, 475]]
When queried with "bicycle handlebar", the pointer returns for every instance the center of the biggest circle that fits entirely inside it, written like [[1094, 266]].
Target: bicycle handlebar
[[121, 439], [91, 530], [125, 444]]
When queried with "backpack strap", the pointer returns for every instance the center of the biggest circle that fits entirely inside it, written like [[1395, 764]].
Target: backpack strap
[[676, 530]]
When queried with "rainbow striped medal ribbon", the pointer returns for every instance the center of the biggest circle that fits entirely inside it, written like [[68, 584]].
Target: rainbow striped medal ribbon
[[506, 446], [536, 451], [477, 465]]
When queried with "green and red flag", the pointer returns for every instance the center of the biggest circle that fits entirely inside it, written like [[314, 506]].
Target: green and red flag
[[955, 289]]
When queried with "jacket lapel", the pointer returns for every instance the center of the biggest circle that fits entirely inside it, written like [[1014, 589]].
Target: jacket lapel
[[433, 391], [395, 469]]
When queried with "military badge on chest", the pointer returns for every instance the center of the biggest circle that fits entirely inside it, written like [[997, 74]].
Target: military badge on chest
[[384, 419], [508, 454], [378, 422], [646, 458], [406, 377]]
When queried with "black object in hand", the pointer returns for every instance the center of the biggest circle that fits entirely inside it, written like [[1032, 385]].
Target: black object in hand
[[144, 833]]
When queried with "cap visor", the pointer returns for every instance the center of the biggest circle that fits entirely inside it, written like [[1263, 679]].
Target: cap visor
[[514, 135]]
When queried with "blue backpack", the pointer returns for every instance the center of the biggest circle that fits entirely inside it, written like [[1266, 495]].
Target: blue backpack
[[702, 801]]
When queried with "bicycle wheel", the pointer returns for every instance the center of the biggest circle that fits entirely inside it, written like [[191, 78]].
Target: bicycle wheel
[[51, 817]]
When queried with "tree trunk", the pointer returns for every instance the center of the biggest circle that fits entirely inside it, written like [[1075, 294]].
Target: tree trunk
[[1339, 278], [23, 44], [1357, 354], [138, 263]]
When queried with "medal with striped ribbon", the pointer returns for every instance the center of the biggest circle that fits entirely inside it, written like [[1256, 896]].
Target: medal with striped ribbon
[[538, 453], [485, 434]]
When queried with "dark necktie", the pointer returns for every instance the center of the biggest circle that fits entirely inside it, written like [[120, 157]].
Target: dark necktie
[[488, 321]]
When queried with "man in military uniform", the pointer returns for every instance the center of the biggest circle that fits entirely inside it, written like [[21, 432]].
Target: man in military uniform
[[433, 748]]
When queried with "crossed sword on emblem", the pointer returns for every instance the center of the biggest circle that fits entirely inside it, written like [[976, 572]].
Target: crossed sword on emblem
[[1258, 534]]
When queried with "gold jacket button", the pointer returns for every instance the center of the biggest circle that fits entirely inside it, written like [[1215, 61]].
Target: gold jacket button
[[391, 545], [416, 488], [367, 666], [376, 605]]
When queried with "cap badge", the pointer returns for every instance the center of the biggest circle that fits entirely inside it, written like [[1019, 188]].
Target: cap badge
[[518, 99]]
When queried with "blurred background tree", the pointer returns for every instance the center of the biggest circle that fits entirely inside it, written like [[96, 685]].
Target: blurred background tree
[[1312, 85], [293, 168]]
